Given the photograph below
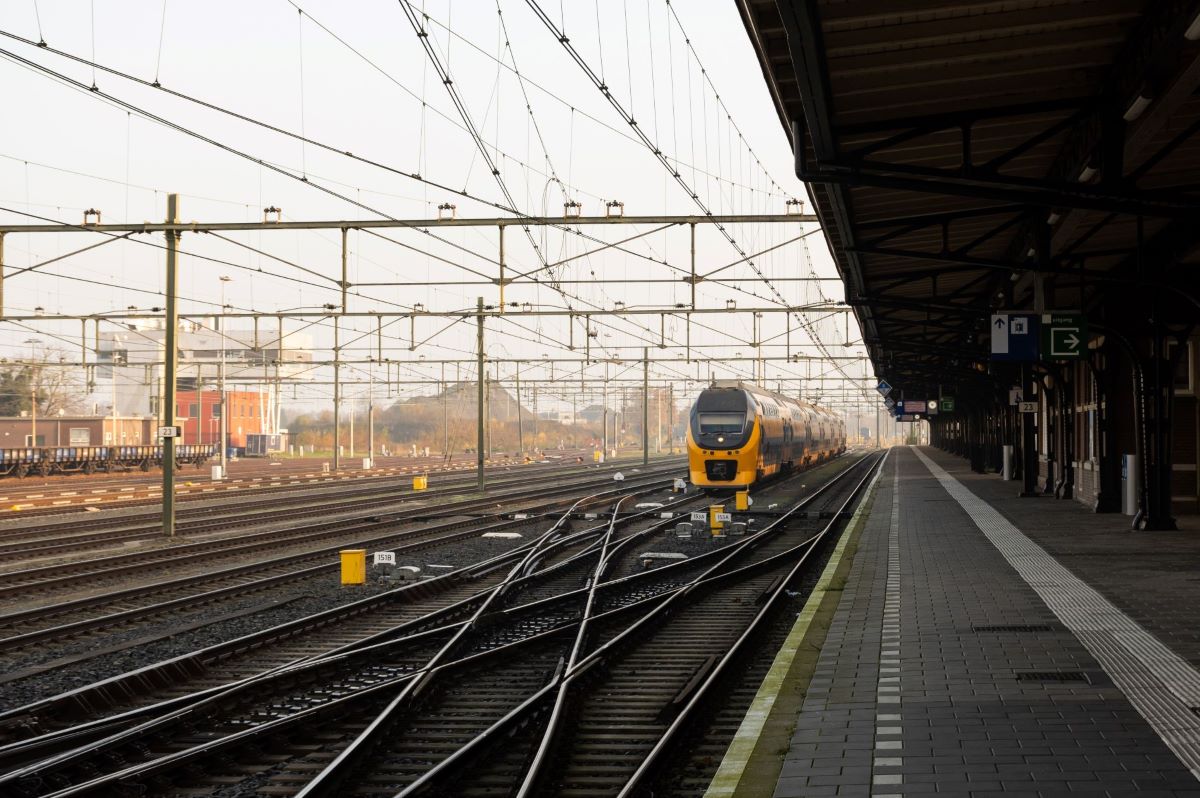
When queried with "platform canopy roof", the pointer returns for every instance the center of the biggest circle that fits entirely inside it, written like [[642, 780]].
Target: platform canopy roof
[[966, 156]]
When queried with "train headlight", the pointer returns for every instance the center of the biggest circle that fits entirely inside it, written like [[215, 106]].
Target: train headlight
[[720, 439]]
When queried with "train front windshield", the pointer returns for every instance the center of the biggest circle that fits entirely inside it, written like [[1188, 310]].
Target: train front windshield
[[722, 418], [721, 423]]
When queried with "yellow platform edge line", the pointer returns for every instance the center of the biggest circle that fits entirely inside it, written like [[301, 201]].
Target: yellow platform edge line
[[754, 759]]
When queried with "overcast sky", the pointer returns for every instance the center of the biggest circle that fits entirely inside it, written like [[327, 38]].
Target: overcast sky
[[355, 76]]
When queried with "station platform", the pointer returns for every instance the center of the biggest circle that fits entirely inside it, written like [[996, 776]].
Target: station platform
[[981, 644]]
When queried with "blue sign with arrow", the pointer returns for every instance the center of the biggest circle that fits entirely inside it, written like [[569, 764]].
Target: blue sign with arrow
[[1015, 336]]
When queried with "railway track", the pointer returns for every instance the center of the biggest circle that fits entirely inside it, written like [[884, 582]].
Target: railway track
[[244, 468], [105, 612], [352, 626], [359, 530], [140, 492], [572, 672], [42, 540], [69, 633]]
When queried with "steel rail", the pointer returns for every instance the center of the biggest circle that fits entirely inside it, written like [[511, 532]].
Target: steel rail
[[652, 761], [265, 481], [336, 771], [426, 538], [361, 651], [393, 485], [438, 777], [302, 670], [199, 551], [600, 548], [92, 697]]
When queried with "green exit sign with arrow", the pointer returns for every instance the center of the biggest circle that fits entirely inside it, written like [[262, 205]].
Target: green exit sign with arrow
[[1064, 336]]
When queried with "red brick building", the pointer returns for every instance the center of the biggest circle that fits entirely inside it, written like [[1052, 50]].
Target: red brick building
[[199, 414]]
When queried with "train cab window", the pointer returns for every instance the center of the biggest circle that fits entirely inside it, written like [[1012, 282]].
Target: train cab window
[[722, 422]]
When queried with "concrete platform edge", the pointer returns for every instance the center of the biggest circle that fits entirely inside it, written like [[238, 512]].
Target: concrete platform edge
[[753, 761]]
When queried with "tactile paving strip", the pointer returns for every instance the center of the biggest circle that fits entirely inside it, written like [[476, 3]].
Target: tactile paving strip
[[1161, 685], [887, 764]]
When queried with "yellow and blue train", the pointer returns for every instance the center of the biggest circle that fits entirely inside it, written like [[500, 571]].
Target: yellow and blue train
[[740, 434]]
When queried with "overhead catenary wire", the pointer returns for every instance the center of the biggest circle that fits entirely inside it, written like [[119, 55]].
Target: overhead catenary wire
[[304, 173], [673, 15], [425, 107], [272, 167], [599, 83], [456, 99], [263, 163], [572, 107], [162, 29]]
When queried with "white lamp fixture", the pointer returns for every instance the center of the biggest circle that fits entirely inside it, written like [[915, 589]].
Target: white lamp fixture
[[1193, 31], [1136, 108]]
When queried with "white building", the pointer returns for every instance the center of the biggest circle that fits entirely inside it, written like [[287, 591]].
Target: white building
[[132, 360]]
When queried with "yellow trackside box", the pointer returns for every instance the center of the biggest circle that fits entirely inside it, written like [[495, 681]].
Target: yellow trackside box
[[742, 500], [597, 456], [421, 482], [354, 566], [715, 522]]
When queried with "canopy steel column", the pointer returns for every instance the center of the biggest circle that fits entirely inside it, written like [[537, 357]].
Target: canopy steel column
[[1029, 467]]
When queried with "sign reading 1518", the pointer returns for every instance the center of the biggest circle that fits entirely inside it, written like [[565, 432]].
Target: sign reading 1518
[[1064, 336]]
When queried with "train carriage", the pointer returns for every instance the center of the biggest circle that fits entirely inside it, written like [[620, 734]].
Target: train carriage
[[43, 461], [739, 434]]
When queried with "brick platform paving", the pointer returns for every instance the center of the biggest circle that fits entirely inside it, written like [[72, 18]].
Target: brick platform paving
[[1154, 577], [946, 672]]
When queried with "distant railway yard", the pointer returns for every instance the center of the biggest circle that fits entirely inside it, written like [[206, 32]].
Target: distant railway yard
[[231, 660]]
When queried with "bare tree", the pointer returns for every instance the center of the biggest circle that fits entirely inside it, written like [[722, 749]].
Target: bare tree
[[59, 388]]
